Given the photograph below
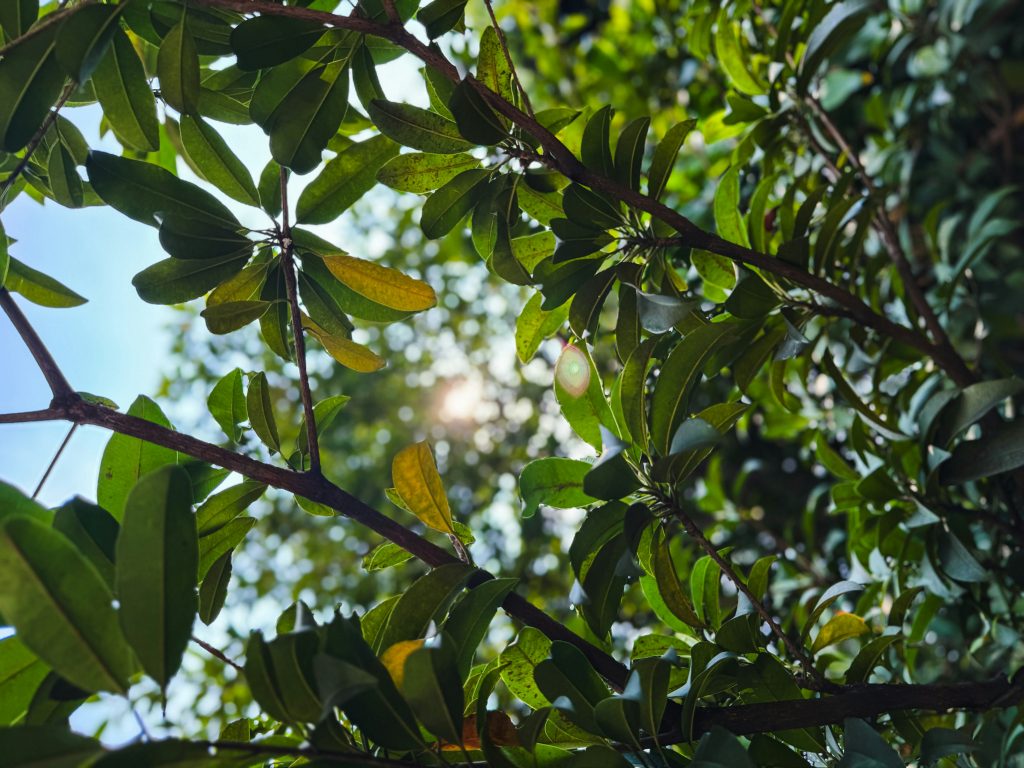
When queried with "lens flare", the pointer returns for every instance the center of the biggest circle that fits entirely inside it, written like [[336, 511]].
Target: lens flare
[[461, 401], [572, 371]]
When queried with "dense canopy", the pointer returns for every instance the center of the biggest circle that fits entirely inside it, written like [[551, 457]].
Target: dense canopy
[[578, 383]]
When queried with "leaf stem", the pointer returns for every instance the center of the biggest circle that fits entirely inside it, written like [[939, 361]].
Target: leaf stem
[[288, 266]]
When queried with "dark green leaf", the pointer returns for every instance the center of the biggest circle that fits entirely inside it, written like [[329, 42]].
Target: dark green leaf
[[998, 451], [177, 67], [227, 404], [141, 191], [417, 128], [218, 164], [93, 531], [665, 157], [433, 688], [126, 97], [60, 606], [554, 482], [344, 180], [448, 205], [157, 554], [426, 600], [629, 152], [309, 116], [469, 619], [475, 119], [39, 288], [30, 82], [261, 412], [441, 16], [267, 41], [214, 589], [83, 39]]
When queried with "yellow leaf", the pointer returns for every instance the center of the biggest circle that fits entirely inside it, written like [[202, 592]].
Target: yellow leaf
[[347, 352], [382, 285], [394, 658], [419, 485], [840, 627]]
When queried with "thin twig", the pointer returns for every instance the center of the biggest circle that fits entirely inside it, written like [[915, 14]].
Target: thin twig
[[43, 25], [288, 266], [695, 532], [508, 58], [35, 141], [53, 461], [217, 654]]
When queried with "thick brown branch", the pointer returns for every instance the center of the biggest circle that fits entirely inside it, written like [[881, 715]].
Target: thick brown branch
[[858, 701], [318, 488], [59, 386]]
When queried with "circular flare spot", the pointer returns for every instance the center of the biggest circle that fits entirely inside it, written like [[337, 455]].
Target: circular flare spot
[[572, 371]]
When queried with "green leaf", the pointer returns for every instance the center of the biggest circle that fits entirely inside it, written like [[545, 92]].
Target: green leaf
[[47, 746], [517, 663], [842, 20], [39, 288], [828, 597], [668, 583], [214, 589], [5, 256], [344, 180], [227, 404], [448, 205], [468, 621], [602, 585], [232, 315], [865, 748], [945, 742], [126, 97], [665, 157], [840, 627], [175, 281], [595, 145], [385, 555], [425, 601], [734, 59], [60, 606], [220, 166], [554, 482], [93, 531], [215, 544], [417, 128], [17, 16], [475, 119], [629, 152], [752, 298], [126, 459], [177, 67], [590, 209], [83, 38], [223, 507], [30, 82], [433, 688], [423, 172], [65, 183], [728, 219], [157, 555], [309, 116], [973, 403], [267, 41], [720, 749], [568, 674], [441, 16], [417, 481], [997, 451], [261, 412], [188, 238], [141, 191], [533, 325], [21, 672], [957, 561], [680, 373]]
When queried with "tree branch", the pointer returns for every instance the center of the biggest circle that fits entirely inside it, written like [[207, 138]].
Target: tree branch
[[288, 266], [217, 654], [35, 141], [798, 653], [59, 386], [858, 701], [560, 158], [313, 486]]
